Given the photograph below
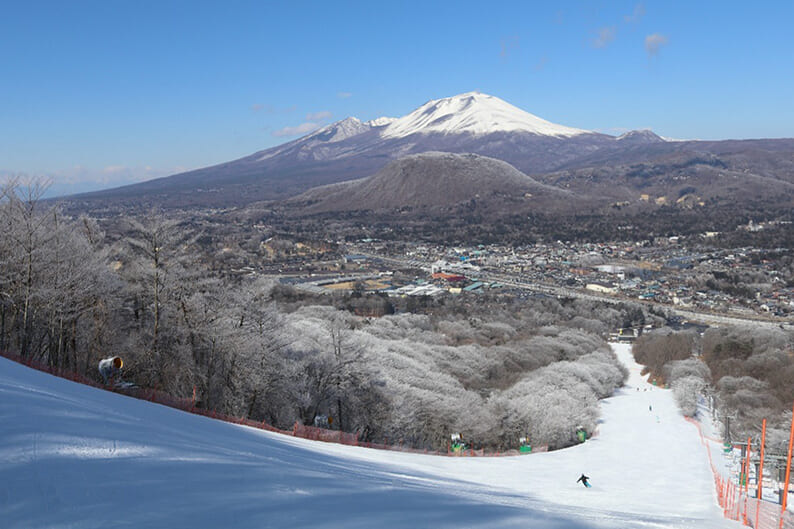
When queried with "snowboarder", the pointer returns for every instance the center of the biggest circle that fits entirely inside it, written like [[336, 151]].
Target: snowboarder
[[583, 479]]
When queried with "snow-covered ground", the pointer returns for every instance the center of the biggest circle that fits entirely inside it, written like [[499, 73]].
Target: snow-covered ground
[[75, 456]]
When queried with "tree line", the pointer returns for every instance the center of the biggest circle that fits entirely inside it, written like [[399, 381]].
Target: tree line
[[745, 373]]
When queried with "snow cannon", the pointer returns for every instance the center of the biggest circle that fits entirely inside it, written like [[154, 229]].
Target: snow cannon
[[110, 367], [457, 443], [581, 434]]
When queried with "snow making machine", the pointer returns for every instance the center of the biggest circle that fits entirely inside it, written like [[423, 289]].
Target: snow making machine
[[110, 367], [457, 444]]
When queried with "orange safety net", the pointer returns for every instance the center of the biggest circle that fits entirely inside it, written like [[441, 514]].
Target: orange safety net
[[741, 505]]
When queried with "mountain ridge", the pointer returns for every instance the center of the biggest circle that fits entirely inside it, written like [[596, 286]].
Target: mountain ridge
[[476, 123]]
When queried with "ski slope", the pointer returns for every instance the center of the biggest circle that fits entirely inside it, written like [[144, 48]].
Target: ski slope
[[75, 456]]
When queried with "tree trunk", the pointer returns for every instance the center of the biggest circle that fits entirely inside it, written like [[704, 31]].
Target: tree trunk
[[251, 406]]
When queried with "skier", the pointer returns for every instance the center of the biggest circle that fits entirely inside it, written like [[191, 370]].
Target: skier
[[583, 479]]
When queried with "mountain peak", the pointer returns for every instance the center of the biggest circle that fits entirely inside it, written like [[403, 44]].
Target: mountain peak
[[640, 136], [474, 113], [340, 130]]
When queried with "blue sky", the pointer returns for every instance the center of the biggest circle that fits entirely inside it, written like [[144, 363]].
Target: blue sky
[[95, 94]]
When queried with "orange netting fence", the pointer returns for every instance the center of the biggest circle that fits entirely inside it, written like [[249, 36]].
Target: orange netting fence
[[739, 502], [298, 430]]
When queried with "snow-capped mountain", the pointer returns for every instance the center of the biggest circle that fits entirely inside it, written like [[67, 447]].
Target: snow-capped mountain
[[351, 148], [333, 133], [467, 123], [470, 114], [474, 113]]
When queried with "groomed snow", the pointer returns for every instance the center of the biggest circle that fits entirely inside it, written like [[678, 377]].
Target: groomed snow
[[75, 456], [473, 113]]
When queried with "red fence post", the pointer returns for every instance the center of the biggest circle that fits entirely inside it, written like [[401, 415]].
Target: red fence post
[[724, 499], [747, 472], [788, 470], [746, 480], [759, 481]]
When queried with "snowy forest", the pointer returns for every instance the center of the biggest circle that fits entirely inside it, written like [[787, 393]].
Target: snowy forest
[[493, 370], [492, 367], [746, 373]]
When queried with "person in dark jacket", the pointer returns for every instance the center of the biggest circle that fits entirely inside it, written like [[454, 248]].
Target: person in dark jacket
[[583, 479]]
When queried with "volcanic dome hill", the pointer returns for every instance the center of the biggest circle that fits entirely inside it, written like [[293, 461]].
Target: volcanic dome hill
[[428, 180]]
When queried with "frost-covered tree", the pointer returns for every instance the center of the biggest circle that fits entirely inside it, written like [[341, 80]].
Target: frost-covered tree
[[54, 281], [655, 349], [686, 390], [260, 345], [27, 233], [159, 266]]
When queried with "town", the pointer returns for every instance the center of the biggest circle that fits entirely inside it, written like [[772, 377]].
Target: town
[[743, 283]]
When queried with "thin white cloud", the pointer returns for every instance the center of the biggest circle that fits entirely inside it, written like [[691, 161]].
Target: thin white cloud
[[303, 128], [79, 179], [636, 15], [605, 36], [508, 45], [272, 110], [654, 42], [318, 116], [343, 95], [112, 174]]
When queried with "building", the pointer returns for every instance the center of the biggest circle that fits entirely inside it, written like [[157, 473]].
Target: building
[[604, 288]]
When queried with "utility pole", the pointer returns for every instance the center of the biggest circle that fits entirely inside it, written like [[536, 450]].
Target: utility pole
[[727, 428]]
